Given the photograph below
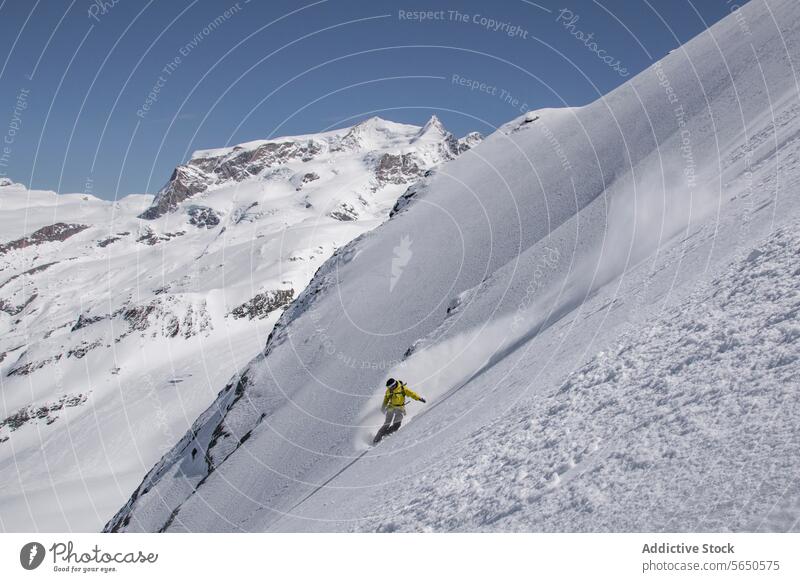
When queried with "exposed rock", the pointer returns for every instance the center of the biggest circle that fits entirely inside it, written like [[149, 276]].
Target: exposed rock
[[195, 321], [149, 237], [46, 413], [410, 194], [30, 367], [167, 317], [52, 330], [83, 348], [185, 182], [16, 309], [526, 121], [344, 212], [84, 320], [300, 180], [406, 168], [397, 169], [203, 217], [263, 304], [198, 174], [138, 316], [107, 241], [272, 154], [244, 163], [57, 232], [214, 454], [469, 141]]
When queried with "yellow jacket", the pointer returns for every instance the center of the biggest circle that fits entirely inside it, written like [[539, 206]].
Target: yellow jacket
[[397, 398]]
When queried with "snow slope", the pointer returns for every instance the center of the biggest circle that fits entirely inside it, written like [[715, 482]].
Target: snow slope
[[599, 304], [120, 320]]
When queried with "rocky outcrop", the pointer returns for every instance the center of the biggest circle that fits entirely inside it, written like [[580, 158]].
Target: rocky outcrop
[[300, 180], [149, 237], [344, 212], [28, 367], [12, 310], [198, 174], [57, 232], [203, 217], [263, 304], [86, 320], [47, 413], [107, 241], [469, 141], [243, 163], [275, 154], [397, 169], [185, 182], [164, 316], [83, 348], [411, 193]]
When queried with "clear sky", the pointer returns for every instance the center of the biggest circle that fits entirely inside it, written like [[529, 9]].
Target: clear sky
[[107, 96]]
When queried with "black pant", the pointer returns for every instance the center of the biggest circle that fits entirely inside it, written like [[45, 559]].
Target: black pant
[[394, 416]]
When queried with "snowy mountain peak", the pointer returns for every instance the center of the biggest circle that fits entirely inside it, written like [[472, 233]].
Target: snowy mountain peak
[[280, 160], [376, 132], [433, 127], [380, 124]]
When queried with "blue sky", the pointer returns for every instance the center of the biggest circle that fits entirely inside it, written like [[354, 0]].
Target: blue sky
[[107, 97]]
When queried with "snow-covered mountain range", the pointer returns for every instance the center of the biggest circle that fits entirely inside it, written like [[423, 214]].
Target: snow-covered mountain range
[[121, 320], [600, 305]]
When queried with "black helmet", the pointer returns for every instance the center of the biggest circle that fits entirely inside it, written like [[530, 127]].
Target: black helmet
[[391, 383]]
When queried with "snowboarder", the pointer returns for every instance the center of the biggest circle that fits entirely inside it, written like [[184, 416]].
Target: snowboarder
[[394, 406]]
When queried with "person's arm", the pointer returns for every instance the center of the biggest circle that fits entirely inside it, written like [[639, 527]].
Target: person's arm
[[411, 394], [385, 401]]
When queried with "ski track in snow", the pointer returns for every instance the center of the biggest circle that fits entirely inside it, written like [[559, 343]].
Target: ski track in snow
[[663, 431]]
